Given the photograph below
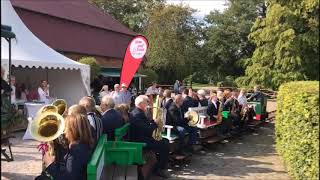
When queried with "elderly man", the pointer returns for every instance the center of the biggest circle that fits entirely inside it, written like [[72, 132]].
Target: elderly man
[[125, 95], [90, 105], [202, 97], [141, 130], [176, 119], [111, 119], [116, 94]]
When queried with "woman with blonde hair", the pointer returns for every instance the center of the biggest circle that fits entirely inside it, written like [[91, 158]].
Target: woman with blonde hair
[[78, 133]]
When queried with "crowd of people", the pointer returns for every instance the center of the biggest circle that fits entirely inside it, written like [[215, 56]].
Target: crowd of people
[[86, 121], [85, 124]]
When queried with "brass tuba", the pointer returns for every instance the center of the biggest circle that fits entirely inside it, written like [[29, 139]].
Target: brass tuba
[[49, 123], [157, 115], [193, 118], [61, 105]]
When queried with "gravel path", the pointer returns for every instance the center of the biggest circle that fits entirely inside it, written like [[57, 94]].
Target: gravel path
[[251, 156]]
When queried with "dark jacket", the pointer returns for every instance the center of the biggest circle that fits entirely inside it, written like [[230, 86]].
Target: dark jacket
[[75, 167], [204, 102], [167, 104], [175, 116], [187, 103], [212, 110], [256, 96], [111, 120], [5, 87], [141, 128]]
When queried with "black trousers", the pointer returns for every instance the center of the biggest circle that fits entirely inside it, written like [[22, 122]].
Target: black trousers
[[162, 148]]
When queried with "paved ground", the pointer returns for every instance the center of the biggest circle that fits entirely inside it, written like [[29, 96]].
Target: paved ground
[[252, 156]]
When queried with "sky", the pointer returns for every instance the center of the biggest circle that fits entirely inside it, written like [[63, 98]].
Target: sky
[[202, 6]]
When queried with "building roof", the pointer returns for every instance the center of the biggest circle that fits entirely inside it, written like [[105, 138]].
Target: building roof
[[74, 26], [80, 11]]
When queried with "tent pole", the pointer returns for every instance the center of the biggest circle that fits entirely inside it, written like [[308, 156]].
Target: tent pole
[[9, 66]]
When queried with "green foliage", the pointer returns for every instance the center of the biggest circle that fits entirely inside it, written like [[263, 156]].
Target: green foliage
[[151, 76], [173, 36], [287, 43], [9, 115], [94, 67], [226, 43], [297, 128], [133, 14]]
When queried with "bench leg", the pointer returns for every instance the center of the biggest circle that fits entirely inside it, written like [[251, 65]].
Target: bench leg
[[7, 157]]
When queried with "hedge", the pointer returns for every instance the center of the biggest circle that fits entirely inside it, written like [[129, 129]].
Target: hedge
[[297, 128]]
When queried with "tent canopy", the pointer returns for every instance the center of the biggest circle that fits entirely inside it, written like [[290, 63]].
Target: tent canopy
[[29, 52]]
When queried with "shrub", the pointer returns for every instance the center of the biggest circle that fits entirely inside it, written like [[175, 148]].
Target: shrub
[[151, 76], [94, 67], [297, 128]]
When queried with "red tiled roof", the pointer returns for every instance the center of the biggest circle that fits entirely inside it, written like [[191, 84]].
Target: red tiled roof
[[80, 11], [92, 36]]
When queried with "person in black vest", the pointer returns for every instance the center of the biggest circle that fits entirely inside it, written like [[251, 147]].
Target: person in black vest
[[180, 124], [213, 107], [257, 95], [187, 101], [202, 98], [141, 130], [90, 105], [111, 119]]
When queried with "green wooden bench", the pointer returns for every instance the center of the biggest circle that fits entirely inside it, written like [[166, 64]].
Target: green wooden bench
[[118, 152]]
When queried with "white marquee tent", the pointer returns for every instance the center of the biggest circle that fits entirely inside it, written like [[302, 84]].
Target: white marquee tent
[[32, 61]]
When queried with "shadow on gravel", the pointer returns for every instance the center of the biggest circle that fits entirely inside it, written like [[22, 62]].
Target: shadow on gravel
[[237, 158], [16, 176]]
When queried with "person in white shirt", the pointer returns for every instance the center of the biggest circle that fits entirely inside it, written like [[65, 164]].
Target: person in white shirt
[[43, 92], [13, 87], [242, 98], [152, 90], [116, 94], [125, 95]]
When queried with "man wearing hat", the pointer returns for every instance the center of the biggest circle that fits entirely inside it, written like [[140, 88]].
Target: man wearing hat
[[125, 95]]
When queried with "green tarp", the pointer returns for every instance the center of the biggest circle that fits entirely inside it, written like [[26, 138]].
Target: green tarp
[[6, 32]]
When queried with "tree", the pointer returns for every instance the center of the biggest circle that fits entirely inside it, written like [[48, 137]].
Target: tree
[[173, 36], [287, 41], [226, 43], [94, 67], [133, 14]]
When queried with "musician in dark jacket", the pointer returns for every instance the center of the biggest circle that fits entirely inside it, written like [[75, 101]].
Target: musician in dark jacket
[[213, 107], [257, 95], [141, 130], [202, 98], [180, 124], [80, 148], [111, 119], [187, 101]]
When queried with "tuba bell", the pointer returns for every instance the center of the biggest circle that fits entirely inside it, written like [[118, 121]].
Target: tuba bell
[[61, 105], [49, 123], [47, 126], [193, 118]]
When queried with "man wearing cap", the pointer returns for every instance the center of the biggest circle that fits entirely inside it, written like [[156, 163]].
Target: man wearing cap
[[125, 95]]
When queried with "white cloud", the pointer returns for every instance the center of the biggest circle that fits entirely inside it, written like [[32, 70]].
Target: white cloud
[[203, 7]]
